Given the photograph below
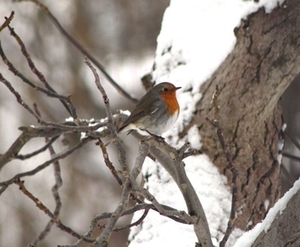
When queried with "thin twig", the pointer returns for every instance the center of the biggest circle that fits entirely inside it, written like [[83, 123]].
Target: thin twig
[[290, 156], [108, 162], [111, 126], [105, 98], [37, 202], [16, 72], [294, 141], [7, 21], [141, 206], [109, 227], [191, 153], [23, 104], [45, 232], [136, 223], [215, 124], [38, 151]]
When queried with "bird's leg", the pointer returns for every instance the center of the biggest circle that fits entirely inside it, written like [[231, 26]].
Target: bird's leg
[[157, 137]]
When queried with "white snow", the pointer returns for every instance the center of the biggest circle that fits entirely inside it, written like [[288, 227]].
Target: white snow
[[195, 38], [69, 119], [193, 137]]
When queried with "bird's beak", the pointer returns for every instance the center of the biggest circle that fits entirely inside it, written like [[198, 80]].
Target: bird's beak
[[177, 88]]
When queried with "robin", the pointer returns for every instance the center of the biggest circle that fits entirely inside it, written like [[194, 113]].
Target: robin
[[156, 111]]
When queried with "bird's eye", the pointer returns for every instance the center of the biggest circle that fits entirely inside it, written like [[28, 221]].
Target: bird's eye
[[165, 89]]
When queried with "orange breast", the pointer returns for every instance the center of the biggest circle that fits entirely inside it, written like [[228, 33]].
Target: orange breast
[[171, 101]]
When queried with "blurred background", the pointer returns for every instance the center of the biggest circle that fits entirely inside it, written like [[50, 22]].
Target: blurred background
[[122, 36]]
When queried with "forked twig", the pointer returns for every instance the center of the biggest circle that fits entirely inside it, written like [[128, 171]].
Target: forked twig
[[66, 101]]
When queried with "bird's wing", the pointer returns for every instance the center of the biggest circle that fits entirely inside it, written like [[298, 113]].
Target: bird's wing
[[146, 106]]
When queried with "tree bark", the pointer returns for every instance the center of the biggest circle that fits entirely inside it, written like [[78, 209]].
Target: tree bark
[[252, 79]]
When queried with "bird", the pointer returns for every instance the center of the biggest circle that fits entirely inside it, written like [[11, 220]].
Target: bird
[[155, 113]]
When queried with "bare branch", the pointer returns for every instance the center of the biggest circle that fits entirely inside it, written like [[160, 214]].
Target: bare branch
[[139, 161], [50, 92], [14, 149], [39, 168], [82, 49], [18, 96], [43, 208], [66, 101]]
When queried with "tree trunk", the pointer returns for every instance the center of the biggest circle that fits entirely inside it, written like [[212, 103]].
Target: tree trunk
[[284, 230], [252, 79]]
